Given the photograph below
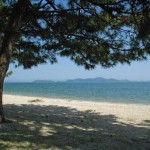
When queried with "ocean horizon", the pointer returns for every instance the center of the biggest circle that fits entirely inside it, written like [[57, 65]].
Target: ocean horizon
[[119, 92]]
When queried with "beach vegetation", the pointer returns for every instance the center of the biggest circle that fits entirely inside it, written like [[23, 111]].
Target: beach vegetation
[[89, 32], [9, 73]]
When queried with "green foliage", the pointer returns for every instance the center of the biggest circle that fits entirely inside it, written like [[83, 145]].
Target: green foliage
[[9, 74], [89, 32], [1, 3]]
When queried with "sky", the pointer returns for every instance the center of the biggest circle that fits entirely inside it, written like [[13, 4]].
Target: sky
[[66, 69]]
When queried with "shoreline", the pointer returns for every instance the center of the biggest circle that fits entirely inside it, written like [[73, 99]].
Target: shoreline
[[80, 100], [135, 113], [43, 123]]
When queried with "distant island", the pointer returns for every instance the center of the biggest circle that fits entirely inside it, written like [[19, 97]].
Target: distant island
[[88, 80]]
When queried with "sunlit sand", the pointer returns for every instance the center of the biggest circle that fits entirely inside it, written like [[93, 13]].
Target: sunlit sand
[[47, 123]]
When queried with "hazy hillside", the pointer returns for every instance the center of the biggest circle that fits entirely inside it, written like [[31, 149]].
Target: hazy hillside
[[88, 80]]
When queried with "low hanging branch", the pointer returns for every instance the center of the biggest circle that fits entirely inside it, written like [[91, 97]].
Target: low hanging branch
[[89, 32]]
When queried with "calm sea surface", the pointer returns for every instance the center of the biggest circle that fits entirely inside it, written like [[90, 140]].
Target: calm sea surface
[[129, 92]]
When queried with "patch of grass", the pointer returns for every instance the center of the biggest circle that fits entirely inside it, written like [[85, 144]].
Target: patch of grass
[[35, 100]]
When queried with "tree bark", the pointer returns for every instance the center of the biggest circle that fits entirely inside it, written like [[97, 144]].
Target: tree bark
[[4, 64], [1, 104], [10, 35]]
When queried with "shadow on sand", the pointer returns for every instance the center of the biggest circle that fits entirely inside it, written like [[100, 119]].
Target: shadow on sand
[[53, 127]]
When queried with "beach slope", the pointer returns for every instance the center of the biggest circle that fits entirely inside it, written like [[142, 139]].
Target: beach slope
[[42, 123]]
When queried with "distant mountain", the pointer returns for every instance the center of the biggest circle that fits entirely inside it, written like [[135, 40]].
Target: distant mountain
[[94, 80], [43, 81], [88, 80]]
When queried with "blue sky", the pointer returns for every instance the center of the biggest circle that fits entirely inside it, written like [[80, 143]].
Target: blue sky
[[66, 69]]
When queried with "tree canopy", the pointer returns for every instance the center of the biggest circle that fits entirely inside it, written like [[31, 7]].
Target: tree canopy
[[89, 32]]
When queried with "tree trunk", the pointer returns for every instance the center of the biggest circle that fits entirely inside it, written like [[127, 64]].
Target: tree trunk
[[10, 35], [1, 103], [4, 64]]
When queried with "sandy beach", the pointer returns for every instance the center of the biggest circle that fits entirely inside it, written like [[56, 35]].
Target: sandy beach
[[43, 123]]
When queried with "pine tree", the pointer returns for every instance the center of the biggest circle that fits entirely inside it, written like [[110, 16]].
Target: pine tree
[[89, 32]]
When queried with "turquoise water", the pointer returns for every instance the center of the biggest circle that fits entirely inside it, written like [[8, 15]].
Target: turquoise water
[[127, 92]]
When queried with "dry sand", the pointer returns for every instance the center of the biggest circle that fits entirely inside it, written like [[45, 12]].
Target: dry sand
[[135, 113], [44, 123]]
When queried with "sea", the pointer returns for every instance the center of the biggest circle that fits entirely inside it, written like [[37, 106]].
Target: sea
[[119, 92]]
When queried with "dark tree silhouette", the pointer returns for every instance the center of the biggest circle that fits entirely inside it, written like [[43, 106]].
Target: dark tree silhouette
[[89, 32]]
